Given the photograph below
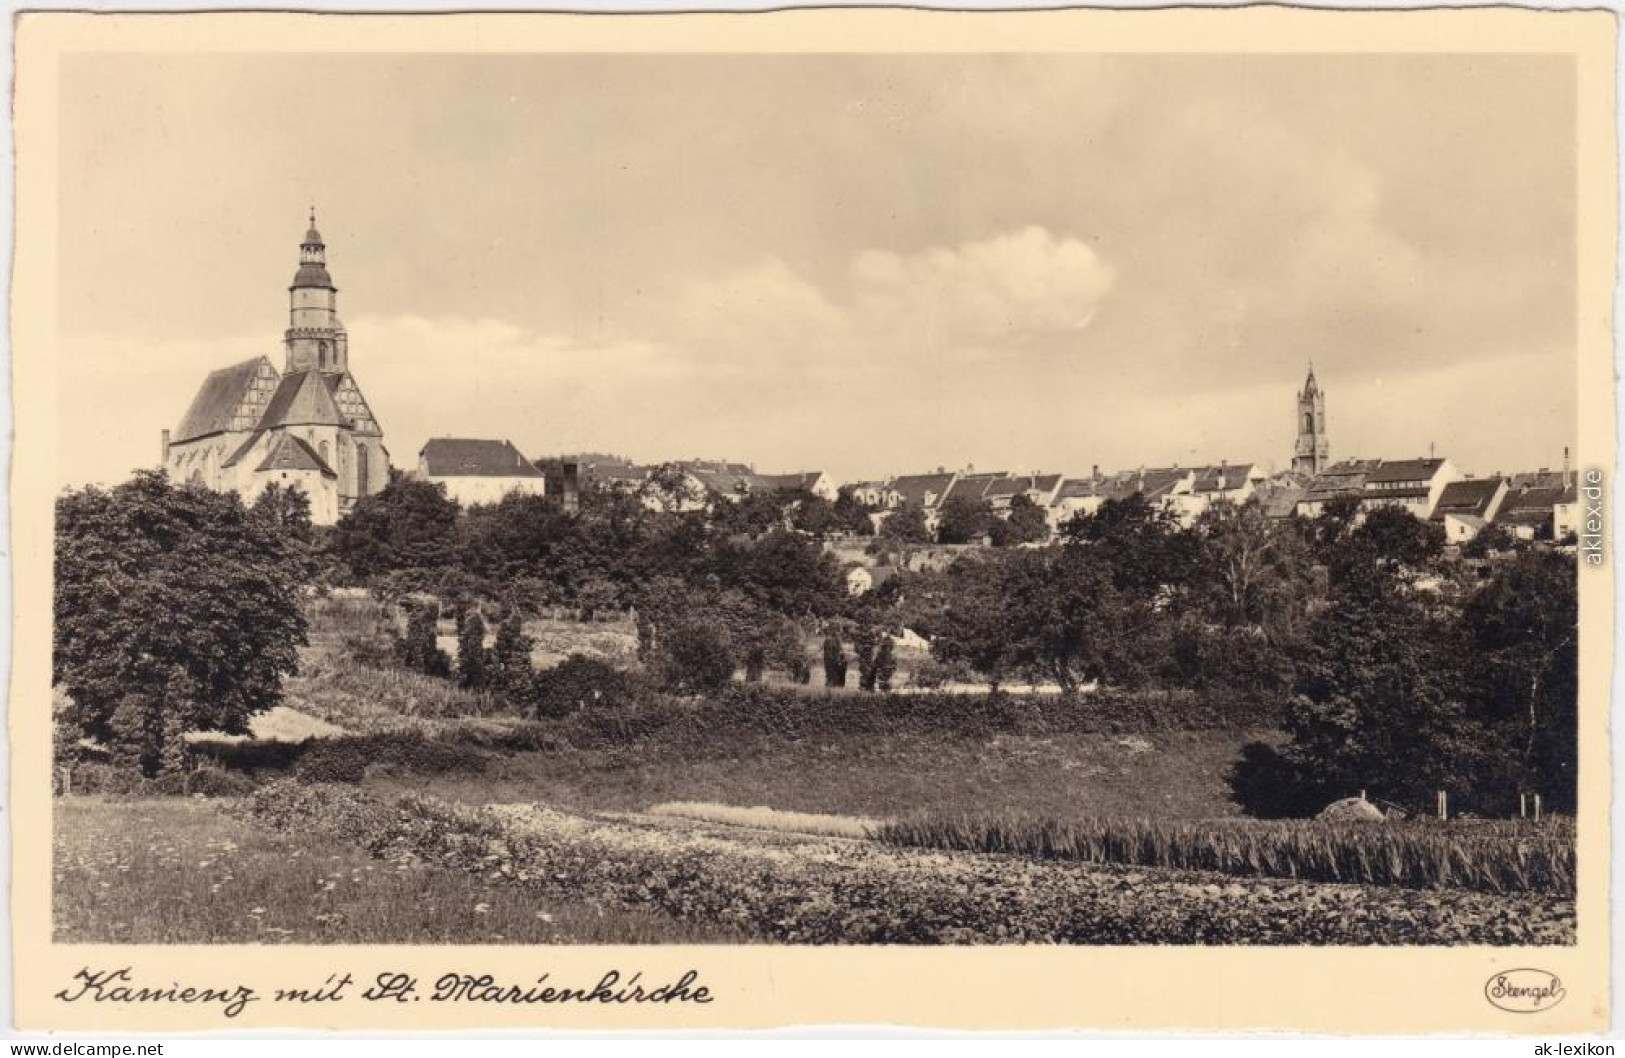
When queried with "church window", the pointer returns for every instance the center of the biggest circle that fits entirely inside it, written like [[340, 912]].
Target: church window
[[361, 470], [323, 449]]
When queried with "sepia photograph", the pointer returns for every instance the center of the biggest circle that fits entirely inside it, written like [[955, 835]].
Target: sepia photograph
[[649, 497]]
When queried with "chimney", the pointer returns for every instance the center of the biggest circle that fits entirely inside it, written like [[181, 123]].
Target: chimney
[[1094, 472], [572, 485], [164, 459], [1566, 480]]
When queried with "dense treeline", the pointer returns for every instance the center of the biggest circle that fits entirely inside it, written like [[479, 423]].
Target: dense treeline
[[1399, 668]]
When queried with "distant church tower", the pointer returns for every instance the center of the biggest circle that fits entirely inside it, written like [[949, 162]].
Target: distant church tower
[[1312, 454]]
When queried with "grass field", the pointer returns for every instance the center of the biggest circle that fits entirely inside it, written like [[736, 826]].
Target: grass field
[[180, 871], [1176, 775]]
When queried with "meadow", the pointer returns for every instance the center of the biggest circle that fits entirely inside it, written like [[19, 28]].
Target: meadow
[[183, 871]]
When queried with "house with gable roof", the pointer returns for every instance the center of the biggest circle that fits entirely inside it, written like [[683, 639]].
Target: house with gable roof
[[477, 470]]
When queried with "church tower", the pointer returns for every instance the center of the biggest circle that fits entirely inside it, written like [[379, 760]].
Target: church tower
[[1312, 454], [315, 339]]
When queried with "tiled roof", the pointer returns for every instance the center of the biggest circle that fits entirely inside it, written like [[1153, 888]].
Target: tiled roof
[[243, 449], [1535, 499], [784, 482], [1471, 496], [461, 457], [1279, 499], [913, 487], [1404, 470], [293, 453], [1340, 481], [302, 399], [1538, 479], [1083, 488], [216, 401], [1226, 477]]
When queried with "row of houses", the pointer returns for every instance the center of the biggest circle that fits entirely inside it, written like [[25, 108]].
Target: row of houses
[[1541, 504], [481, 470]]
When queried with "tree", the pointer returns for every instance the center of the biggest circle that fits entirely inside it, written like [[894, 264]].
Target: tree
[[1148, 554], [419, 649], [850, 515], [834, 661], [1489, 540], [885, 665], [963, 520], [906, 525], [1523, 628], [1396, 540], [1256, 573], [784, 571], [1379, 703], [174, 610], [695, 655], [409, 525], [511, 671], [752, 514], [1053, 613], [471, 652], [1027, 524], [672, 489], [867, 647]]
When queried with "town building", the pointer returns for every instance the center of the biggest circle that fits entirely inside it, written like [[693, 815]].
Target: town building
[[1414, 484], [1465, 507], [307, 426], [476, 470]]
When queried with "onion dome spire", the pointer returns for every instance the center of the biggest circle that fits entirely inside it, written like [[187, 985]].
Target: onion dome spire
[[312, 260]]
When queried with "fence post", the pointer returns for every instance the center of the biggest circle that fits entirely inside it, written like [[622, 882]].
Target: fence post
[[1537, 808], [1523, 806]]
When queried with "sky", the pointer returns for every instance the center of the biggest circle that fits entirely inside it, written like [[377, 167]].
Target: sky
[[864, 264]]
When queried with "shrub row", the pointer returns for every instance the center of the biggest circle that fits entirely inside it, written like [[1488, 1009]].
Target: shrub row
[[347, 757], [791, 714], [1495, 857], [108, 780], [866, 893]]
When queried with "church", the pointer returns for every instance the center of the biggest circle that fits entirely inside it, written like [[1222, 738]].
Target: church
[[308, 426]]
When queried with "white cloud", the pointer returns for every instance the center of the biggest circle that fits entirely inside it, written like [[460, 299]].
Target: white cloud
[[1009, 288]]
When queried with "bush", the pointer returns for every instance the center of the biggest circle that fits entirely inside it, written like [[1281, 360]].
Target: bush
[[834, 661], [694, 656], [581, 682], [341, 761]]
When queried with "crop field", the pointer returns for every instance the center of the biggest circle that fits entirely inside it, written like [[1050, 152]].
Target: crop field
[[181, 871], [796, 888], [1494, 857]]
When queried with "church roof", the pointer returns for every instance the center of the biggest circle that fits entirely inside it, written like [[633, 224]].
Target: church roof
[[461, 457], [302, 399], [217, 400], [243, 449], [293, 453]]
